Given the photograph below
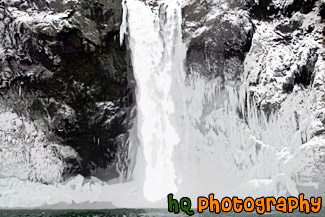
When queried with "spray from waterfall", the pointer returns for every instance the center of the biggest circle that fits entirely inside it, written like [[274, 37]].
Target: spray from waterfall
[[192, 135]]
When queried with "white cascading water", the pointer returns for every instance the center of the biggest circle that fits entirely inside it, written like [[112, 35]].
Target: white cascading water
[[191, 139]]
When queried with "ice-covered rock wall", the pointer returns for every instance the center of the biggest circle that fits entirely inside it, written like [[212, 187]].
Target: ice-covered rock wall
[[244, 117]]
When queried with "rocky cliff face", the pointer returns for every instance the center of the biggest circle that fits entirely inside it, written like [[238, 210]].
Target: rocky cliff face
[[270, 55], [66, 94]]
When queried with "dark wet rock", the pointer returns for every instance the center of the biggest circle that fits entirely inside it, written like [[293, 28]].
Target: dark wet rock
[[322, 10], [272, 53], [63, 68], [303, 6]]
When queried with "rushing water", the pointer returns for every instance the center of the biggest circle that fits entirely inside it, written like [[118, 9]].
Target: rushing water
[[199, 135], [188, 131], [136, 213]]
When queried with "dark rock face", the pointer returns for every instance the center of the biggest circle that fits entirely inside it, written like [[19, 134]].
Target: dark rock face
[[273, 52], [303, 6], [217, 44], [220, 35], [63, 68], [289, 27]]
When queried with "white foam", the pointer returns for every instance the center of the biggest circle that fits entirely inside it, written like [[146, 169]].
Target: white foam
[[195, 136]]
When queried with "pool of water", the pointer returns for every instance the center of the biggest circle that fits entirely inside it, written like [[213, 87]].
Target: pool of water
[[136, 213]]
